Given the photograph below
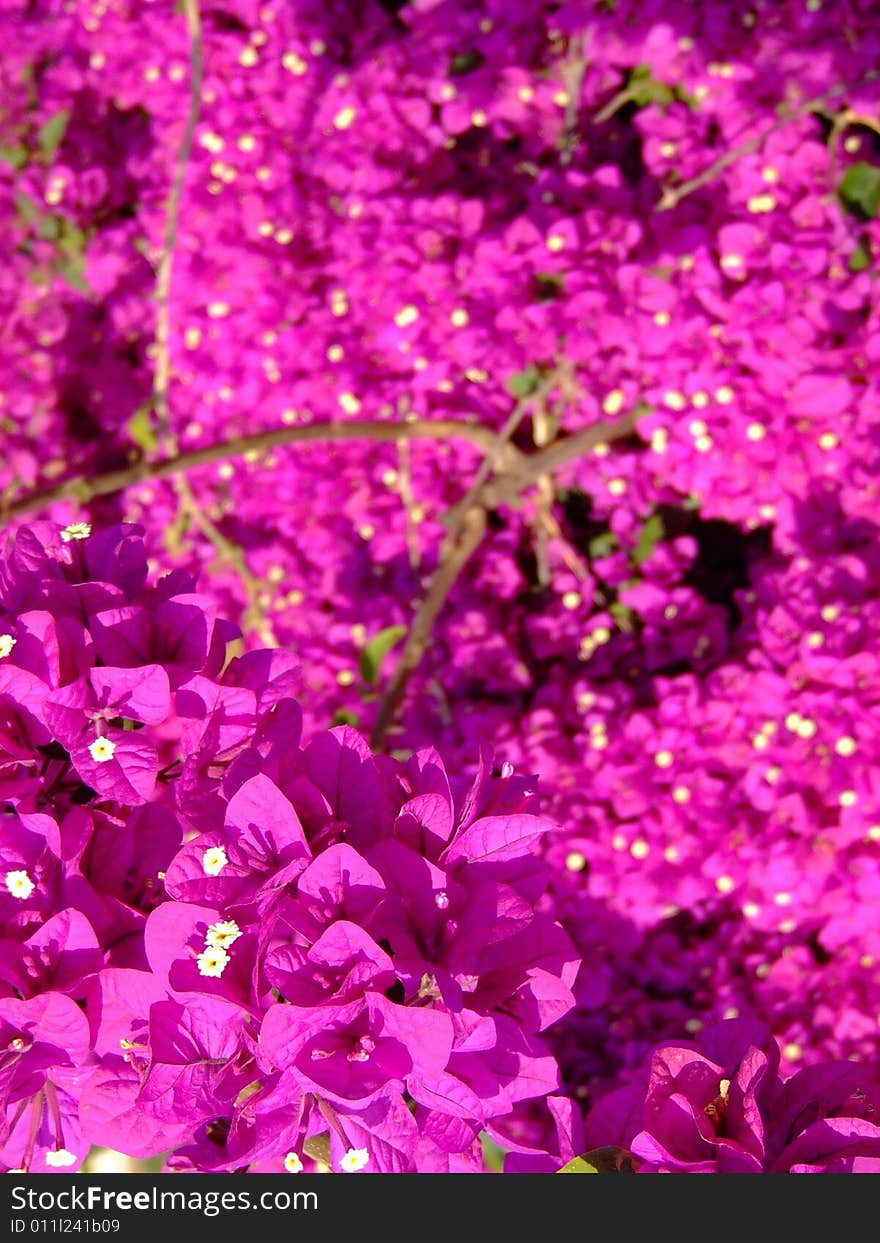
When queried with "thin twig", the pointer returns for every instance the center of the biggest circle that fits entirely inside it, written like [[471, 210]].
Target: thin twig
[[555, 532], [466, 525], [673, 195], [83, 488], [254, 616], [573, 69], [521, 467], [162, 373], [460, 545], [546, 527], [618, 101], [493, 459], [442, 581], [226, 549], [525, 472]]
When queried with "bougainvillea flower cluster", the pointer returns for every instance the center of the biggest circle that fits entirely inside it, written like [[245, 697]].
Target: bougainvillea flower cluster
[[350, 957], [226, 941]]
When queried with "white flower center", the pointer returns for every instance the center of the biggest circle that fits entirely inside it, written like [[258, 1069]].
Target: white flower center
[[76, 530], [19, 884], [293, 1164], [223, 934], [61, 1158], [102, 750], [355, 1159], [214, 861], [7, 643], [213, 961]]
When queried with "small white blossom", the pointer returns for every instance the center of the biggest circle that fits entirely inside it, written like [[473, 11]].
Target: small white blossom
[[223, 934], [20, 885], [61, 1158], [213, 961], [293, 1163], [76, 530], [7, 643], [406, 315], [354, 1160], [344, 117], [214, 861], [102, 750]]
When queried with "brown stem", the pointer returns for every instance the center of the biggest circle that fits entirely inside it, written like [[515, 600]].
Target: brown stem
[[83, 489], [573, 70], [469, 538], [526, 472], [465, 539], [493, 458], [162, 373]]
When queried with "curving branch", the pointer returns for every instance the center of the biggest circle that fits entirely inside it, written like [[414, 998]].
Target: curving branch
[[162, 373], [83, 488], [466, 537], [418, 639]]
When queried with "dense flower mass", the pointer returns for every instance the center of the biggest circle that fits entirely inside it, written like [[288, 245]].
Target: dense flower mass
[[225, 941], [530, 218]]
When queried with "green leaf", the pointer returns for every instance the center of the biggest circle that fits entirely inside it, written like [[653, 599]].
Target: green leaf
[[685, 97], [602, 545], [547, 286], [860, 258], [645, 89], [72, 239], [493, 1154], [48, 228], [140, 428], [28, 210], [342, 716], [72, 242], [464, 63], [51, 134], [578, 1166], [523, 383], [72, 272], [652, 532], [16, 156], [859, 190], [374, 652]]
